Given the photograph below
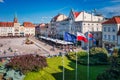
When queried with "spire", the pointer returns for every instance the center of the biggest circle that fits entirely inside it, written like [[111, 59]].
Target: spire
[[72, 10], [15, 18]]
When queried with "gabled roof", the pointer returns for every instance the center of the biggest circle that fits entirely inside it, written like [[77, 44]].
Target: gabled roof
[[114, 20], [28, 24], [76, 14], [58, 17], [6, 24]]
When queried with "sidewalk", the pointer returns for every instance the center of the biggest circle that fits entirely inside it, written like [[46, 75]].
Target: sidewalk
[[45, 46]]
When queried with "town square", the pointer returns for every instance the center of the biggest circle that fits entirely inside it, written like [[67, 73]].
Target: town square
[[60, 40]]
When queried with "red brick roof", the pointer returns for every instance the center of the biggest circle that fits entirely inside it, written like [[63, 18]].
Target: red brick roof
[[114, 20], [76, 14], [6, 24], [28, 24]]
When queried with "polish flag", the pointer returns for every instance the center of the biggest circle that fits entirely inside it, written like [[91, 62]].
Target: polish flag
[[81, 37], [90, 36]]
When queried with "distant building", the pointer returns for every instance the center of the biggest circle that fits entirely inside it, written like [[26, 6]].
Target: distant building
[[29, 29], [15, 29], [109, 32]]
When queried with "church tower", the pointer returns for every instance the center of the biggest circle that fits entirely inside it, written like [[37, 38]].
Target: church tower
[[15, 19]]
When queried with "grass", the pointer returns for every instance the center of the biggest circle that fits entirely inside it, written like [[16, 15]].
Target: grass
[[54, 70]]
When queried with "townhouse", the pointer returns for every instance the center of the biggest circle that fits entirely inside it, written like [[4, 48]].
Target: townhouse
[[109, 32]]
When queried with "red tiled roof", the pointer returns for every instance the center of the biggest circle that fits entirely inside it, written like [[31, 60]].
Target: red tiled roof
[[28, 24], [6, 24], [55, 18], [43, 25], [114, 20], [76, 14]]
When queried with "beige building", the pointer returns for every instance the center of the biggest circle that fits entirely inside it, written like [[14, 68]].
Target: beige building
[[15, 29], [109, 32], [29, 29]]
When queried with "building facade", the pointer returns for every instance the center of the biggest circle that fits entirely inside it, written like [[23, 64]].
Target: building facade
[[118, 37], [80, 22], [109, 32], [29, 29], [15, 29]]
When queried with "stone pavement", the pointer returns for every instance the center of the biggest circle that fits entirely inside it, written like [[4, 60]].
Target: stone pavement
[[45, 46]]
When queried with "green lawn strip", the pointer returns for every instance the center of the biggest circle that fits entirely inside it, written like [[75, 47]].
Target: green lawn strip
[[54, 70]]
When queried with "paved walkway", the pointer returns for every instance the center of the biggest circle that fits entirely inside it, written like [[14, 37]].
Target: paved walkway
[[47, 47]]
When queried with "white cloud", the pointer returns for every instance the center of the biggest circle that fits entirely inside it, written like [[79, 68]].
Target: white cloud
[[1, 1], [110, 11]]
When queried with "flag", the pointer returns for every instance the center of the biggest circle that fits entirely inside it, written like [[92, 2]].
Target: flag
[[69, 37], [94, 41], [90, 36], [81, 37]]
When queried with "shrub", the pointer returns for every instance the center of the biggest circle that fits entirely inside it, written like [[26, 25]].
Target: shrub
[[96, 56], [111, 74], [27, 63], [96, 50]]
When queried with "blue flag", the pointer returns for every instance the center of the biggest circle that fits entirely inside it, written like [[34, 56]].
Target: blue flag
[[94, 41], [69, 37]]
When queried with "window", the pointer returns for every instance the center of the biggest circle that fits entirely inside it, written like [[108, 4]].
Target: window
[[109, 29], [104, 29], [109, 37], [113, 37], [97, 29], [105, 37], [113, 29]]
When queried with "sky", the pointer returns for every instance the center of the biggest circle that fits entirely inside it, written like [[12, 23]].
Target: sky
[[41, 11]]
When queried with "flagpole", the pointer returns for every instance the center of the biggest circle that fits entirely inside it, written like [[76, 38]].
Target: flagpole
[[63, 67], [76, 66], [63, 58], [88, 58]]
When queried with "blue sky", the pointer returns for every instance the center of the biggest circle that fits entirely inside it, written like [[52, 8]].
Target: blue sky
[[38, 11]]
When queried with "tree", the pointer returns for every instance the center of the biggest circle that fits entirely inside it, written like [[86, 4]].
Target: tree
[[113, 73], [27, 63]]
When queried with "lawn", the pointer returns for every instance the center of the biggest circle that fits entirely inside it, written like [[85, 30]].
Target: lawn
[[54, 70]]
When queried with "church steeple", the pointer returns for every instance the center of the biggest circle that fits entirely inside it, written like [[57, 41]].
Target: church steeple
[[15, 18]]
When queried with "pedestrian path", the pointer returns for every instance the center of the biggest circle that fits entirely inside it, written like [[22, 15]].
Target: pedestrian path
[[45, 46]]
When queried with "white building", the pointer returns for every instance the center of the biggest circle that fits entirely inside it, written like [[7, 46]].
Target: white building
[[118, 37], [80, 22], [109, 32], [15, 29], [58, 26]]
